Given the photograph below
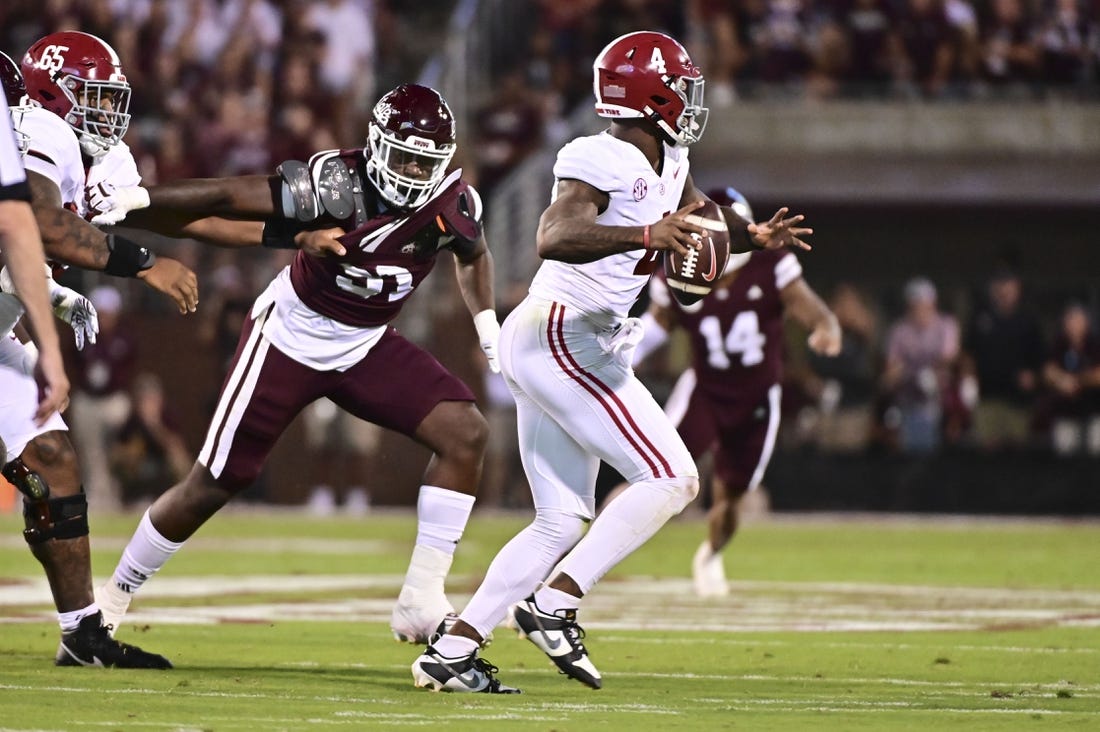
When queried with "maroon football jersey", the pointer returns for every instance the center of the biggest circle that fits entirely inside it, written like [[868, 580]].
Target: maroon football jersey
[[737, 330], [389, 251]]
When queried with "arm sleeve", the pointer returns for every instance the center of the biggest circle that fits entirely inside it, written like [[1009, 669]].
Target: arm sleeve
[[787, 270]]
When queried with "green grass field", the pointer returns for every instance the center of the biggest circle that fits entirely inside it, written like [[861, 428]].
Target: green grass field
[[279, 622]]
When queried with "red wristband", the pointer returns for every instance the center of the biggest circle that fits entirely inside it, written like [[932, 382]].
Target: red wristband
[[645, 237]]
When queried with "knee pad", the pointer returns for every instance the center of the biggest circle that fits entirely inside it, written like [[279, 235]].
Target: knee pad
[[685, 488], [47, 518], [677, 492], [558, 530], [55, 518]]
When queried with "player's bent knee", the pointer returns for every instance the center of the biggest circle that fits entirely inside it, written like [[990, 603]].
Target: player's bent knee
[[688, 488], [680, 490], [559, 530], [46, 516], [51, 450], [455, 429]]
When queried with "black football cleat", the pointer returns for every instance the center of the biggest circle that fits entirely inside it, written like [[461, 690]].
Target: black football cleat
[[558, 636], [91, 644], [462, 674]]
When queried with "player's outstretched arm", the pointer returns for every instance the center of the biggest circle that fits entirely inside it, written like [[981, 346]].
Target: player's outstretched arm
[[568, 231], [807, 307], [244, 197], [69, 239]]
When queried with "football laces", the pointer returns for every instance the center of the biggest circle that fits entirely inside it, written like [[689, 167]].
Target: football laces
[[691, 261]]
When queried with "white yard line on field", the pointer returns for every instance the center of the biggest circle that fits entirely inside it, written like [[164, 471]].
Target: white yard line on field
[[620, 604]]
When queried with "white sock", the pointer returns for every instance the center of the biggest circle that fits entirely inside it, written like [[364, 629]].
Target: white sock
[[441, 517], [143, 556], [520, 565], [71, 620], [624, 525], [550, 600], [426, 575], [455, 646]]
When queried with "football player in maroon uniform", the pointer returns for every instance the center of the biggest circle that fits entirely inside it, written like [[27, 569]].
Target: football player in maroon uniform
[[728, 401], [322, 329]]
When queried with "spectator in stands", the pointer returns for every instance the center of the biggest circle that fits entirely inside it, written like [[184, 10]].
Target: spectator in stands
[[1003, 353], [848, 390], [873, 47], [148, 450], [716, 48], [783, 42], [927, 48], [1068, 41], [340, 450], [1010, 59], [1072, 374], [922, 349], [347, 62], [102, 374], [507, 128]]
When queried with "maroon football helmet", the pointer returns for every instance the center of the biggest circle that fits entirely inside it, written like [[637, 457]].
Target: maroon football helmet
[[15, 92], [12, 79], [730, 196], [79, 78], [648, 74], [410, 144]]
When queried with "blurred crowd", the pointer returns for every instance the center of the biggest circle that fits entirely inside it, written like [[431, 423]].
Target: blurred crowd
[[990, 373], [231, 87]]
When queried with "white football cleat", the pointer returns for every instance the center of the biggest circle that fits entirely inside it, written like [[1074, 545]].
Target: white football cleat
[[113, 603], [709, 573]]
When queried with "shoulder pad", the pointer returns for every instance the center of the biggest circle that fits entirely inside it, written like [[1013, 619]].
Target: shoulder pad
[[332, 181], [299, 200]]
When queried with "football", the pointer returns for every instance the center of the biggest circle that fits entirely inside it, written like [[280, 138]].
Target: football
[[692, 276]]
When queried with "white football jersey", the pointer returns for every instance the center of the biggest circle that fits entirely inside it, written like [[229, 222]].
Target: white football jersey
[[117, 167], [53, 151], [639, 195]]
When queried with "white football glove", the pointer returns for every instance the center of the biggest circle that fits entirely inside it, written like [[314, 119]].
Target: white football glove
[[110, 205], [488, 334], [68, 305], [77, 311]]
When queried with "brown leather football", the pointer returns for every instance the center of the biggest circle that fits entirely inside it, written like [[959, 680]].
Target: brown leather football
[[693, 276]]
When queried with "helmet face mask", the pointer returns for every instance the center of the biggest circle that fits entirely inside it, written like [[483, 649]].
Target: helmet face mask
[[15, 91], [78, 77], [99, 113], [410, 144], [649, 75]]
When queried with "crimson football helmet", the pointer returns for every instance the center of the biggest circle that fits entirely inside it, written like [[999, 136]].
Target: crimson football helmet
[[410, 144], [650, 75], [78, 77]]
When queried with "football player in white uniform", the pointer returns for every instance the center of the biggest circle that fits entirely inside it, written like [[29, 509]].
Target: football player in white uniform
[[620, 200], [22, 258], [38, 457]]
